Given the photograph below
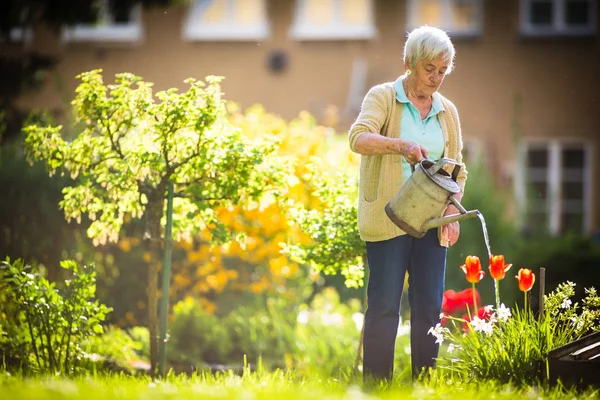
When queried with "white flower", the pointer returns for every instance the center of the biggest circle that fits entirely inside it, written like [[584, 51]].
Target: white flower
[[503, 312], [488, 328], [480, 325], [438, 333], [566, 303], [577, 322], [488, 309], [477, 324], [303, 317]]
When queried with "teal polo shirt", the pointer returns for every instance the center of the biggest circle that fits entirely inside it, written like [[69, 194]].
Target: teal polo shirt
[[425, 132]]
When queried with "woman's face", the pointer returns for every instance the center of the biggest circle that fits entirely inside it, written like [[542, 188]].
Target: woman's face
[[427, 76]]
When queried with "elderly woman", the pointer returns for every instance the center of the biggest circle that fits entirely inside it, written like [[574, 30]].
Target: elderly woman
[[400, 124]]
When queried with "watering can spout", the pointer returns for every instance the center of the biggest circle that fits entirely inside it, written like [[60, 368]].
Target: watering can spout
[[436, 222]]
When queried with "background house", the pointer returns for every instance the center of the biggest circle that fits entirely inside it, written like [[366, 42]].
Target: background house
[[525, 79]]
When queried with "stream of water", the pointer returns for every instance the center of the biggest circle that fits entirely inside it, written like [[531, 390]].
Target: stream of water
[[485, 234]]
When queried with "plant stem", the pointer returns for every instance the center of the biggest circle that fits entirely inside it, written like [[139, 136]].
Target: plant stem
[[497, 289], [67, 359], [474, 300], [51, 355], [525, 302], [30, 325]]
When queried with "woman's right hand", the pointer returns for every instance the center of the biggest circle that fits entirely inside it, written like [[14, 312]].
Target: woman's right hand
[[412, 152]]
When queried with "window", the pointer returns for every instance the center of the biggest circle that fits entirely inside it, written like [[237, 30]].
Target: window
[[110, 27], [24, 35], [333, 20], [558, 17], [227, 20], [555, 187], [458, 17], [22, 32]]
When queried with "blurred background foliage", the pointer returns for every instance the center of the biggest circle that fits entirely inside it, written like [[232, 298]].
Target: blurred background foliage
[[249, 297]]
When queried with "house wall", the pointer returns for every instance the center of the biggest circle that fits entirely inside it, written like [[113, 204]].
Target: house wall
[[503, 84]]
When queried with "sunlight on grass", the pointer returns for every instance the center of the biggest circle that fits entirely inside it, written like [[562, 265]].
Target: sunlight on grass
[[260, 385]]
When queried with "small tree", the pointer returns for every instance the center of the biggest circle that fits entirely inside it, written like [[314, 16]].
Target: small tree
[[130, 148]]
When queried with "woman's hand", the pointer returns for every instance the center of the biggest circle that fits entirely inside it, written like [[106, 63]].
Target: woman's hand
[[451, 230], [412, 152]]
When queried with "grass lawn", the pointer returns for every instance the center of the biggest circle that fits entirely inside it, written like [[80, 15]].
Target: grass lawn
[[276, 385]]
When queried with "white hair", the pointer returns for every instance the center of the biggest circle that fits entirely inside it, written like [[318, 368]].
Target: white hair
[[427, 43]]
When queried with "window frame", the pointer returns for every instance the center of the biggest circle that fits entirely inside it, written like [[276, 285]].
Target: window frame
[[446, 22], [301, 28], [554, 179], [108, 31], [226, 31], [558, 26]]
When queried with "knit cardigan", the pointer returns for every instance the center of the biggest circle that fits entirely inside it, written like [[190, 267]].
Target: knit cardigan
[[381, 175]]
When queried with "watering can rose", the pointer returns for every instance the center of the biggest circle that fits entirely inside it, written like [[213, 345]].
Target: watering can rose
[[526, 279], [472, 269], [498, 268]]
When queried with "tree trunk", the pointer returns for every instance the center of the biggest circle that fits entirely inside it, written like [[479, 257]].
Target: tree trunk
[[153, 214]]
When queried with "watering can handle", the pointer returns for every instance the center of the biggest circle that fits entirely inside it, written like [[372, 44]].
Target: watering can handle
[[412, 166], [438, 165]]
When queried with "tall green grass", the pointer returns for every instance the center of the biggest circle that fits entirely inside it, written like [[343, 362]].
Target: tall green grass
[[265, 385]]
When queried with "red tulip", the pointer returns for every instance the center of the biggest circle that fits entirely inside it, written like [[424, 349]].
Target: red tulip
[[497, 267], [455, 302], [526, 279], [467, 297], [472, 269], [449, 302]]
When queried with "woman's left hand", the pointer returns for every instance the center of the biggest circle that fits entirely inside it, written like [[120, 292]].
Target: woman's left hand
[[451, 230]]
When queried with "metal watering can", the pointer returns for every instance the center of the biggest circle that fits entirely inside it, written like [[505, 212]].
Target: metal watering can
[[420, 202]]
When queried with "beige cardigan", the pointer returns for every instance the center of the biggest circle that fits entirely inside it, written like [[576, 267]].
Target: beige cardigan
[[381, 176]]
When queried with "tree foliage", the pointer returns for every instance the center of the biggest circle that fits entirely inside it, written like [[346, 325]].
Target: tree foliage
[[224, 277], [130, 147], [335, 245]]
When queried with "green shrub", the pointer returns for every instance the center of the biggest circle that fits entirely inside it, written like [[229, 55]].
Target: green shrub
[[43, 326], [196, 336], [322, 336], [264, 331], [141, 335], [570, 257], [115, 347]]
